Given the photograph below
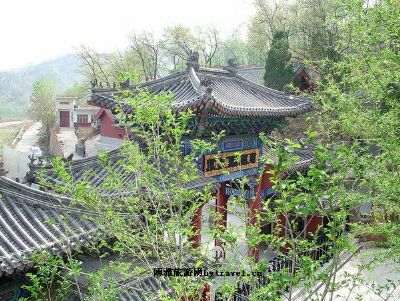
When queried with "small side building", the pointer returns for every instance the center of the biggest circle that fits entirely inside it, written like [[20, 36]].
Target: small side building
[[111, 132], [68, 114], [64, 108]]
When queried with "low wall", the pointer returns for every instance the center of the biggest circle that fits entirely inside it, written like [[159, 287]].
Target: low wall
[[15, 162]]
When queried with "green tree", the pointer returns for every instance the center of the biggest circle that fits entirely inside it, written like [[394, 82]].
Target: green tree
[[358, 100], [42, 104], [278, 69]]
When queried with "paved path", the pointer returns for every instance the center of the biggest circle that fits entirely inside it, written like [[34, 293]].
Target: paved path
[[90, 144], [354, 283], [367, 284], [69, 139], [29, 138]]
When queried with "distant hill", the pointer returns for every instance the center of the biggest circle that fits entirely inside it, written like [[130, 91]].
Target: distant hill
[[16, 85]]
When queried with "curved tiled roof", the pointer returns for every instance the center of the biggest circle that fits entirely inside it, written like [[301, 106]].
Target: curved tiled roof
[[300, 159], [142, 290], [254, 74], [32, 221], [91, 170], [227, 93]]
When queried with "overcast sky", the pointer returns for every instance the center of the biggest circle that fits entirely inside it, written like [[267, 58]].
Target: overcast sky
[[32, 31]]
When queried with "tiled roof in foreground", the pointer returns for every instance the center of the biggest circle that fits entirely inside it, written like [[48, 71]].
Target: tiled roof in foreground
[[221, 92], [94, 172], [33, 221]]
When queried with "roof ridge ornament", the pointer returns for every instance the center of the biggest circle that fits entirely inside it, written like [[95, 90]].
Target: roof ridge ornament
[[194, 79], [205, 82], [125, 84], [233, 65], [94, 83], [193, 60]]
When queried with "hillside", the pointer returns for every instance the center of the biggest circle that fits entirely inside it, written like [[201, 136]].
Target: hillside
[[16, 85]]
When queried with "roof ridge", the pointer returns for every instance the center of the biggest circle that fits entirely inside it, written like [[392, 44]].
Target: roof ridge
[[158, 80], [277, 92], [194, 80], [215, 70], [140, 85], [93, 159], [9, 187], [249, 68]]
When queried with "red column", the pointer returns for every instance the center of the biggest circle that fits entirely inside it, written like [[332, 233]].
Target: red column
[[255, 206], [196, 224], [206, 295], [313, 224], [221, 210], [254, 210]]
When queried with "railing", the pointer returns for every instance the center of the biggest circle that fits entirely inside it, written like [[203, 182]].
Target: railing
[[243, 290]]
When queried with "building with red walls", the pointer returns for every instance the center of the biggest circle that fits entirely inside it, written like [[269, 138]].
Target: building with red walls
[[111, 132]]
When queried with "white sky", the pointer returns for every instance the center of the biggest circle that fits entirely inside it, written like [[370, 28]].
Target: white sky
[[32, 31]]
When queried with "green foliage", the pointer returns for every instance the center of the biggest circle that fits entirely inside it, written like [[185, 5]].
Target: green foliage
[[42, 104], [278, 69], [48, 281], [7, 135], [356, 49], [358, 99]]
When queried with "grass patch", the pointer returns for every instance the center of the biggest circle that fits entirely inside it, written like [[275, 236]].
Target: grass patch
[[7, 135]]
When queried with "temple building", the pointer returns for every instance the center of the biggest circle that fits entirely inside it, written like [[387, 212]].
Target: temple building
[[221, 100]]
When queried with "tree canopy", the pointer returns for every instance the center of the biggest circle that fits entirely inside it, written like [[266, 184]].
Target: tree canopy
[[42, 107], [278, 69]]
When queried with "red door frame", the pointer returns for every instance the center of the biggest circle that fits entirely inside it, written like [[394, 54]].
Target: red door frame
[[65, 119]]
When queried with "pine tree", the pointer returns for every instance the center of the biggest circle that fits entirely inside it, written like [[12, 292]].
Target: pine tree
[[278, 70]]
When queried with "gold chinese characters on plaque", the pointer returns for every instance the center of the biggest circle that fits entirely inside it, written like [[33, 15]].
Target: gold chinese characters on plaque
[[217, 164]]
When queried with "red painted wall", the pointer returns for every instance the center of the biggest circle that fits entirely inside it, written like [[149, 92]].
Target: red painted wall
[[108, 128]]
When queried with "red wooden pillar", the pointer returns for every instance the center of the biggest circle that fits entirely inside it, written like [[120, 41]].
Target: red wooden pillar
[[255, 209], [255, 206], [222, 211], [206, 295], [196, 224], [313, 224]]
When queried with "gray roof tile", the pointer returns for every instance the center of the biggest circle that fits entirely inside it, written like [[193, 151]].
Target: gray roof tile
[[230, 93], [32, 221], [91, 170]]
